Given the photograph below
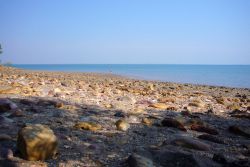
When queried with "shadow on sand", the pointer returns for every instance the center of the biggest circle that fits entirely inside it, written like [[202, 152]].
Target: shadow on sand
[[106, 147]]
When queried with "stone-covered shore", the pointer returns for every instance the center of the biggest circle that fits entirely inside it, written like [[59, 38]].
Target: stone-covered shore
[[109, 120]]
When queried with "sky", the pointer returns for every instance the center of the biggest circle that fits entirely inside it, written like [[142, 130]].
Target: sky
[[125, 31]]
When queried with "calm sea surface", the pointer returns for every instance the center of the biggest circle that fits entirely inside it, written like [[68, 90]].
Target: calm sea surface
[[219, 75]]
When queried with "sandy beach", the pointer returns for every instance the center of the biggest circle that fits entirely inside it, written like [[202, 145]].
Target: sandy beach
[[109, 120]]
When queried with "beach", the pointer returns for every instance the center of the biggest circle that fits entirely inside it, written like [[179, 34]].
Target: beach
[[110, 120]]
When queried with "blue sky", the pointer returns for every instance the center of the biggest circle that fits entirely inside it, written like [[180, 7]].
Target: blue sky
[[125, 31]]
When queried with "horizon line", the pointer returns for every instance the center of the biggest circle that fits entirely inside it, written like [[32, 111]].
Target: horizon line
[[117, 64]]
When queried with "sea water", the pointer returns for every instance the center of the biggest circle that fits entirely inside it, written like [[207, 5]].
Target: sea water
[[216, 75]]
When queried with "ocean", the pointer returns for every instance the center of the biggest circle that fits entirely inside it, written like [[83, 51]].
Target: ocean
[[215, 75]]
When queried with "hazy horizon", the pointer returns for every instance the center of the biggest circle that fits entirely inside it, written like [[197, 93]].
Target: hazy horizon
[[208, 32]]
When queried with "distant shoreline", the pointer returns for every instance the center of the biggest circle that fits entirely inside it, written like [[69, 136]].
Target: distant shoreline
[[233, 76], [108, 74]]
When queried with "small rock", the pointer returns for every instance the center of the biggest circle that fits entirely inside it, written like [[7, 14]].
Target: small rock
[[122, 125], [109, 106], [170, 122], [132, 119], [138, 111], [166, 100], [120, 114], [57, 90], [5, 137], [179, 159], [26, 102], [37, 142], [240, 114], [191, 144], [5, 153], [4, 120], [17, 113], [197, 103], [186, 113], [126, 99], [219, 158], [147, 121], [211, 138], [6, 105], [240, 130], [88, 126], [136, 160], [239, 163], [159, 106], [58, 104], [206, 129]]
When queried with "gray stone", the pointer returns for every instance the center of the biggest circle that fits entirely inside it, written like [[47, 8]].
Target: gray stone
[[6, 105], [191, 143], [136, 160]]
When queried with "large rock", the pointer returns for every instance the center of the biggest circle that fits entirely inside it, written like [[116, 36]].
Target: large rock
[[36, 142]]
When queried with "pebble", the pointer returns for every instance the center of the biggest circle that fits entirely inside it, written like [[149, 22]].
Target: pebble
[[147, 121], [120, 114], [122, 125], [219, 158], [4, 137], [211, 138], [7, 105], [170, 122], [88, 126], [206, 129], [161, 106], [240, 130]]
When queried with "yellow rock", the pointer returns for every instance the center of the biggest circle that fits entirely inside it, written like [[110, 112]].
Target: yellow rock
[[159, 106], [122, 125], [151, 86], [57, 90], [109, 106], [197, 103], [147, 121], [36, 142], [10, 91], [88, 126], [166, 99], [58, 104], [138, 111]]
